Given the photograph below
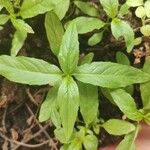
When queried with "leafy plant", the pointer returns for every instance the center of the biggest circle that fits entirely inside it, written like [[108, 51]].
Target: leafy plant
[[74, 84], [18, 12], [119, 27], [142, 12]]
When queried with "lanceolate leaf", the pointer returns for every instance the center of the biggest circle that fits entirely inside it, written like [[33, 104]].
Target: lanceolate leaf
[[118, 127], [21, 25], [145, 87], [110, 75], [110, 7], [54, 30], [18, 41], [61, 8], [29, 70], [69, 50], [126, 104], [128, 142], [48, 104], [68, 99], [88, 102], [120, 28], [87, 8], [31, 8], [88, 24]]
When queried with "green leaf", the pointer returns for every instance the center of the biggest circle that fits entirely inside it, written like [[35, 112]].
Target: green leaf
[[134, 3], [87, 8], [48, 104], [147, 6], [3, 19], [128, 142], [55, 117], [76, 144], [88, 24], [147, 118], [110, 7], [110, 75], [86, 59], [145, 87], [145, 30], [29, 70], [88, 102], [62, 8], [118, 127], [64, 147], [95, 38], [68, 99], [69, 50], [140, 12], [21, 25], [31, 8], [18, 41], [54, 31], [137, 40], [120, 28], [60, 135], [8, 5], [122, 58], [124, 9], [126, 104], [90, 142]]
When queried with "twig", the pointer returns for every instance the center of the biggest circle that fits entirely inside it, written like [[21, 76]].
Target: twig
[[3, 120], [23, 144], [53, 144]]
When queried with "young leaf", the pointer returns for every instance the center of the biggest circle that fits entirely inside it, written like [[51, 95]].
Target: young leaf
[[31, 8], [90, 142], [86, 59], [140, 12], [76, 144], [121, 28], [122, 58], [145, 30], [29, 70], [87, 8], [147, 6], [68, 99], [118, 127], [145, 87], [54, 31], [134, 3], [88, 24], [95, 38], [60, 135], [128, 142], [61, 8], [126, 104], [88, 102], [47, 105], [21, 25], [69, 50], [110, 75], [110, 7], [3, 19], [124, 9], [18, 41]]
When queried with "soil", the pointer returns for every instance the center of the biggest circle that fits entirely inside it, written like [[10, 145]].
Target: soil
[[19, 104]]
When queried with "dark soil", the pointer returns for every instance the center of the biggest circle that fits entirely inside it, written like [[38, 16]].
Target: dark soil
[[19, 104]]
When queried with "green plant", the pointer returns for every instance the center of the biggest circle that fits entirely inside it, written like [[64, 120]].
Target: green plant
[[76, 87], [114, 12], [18, 12], [142, 12]]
